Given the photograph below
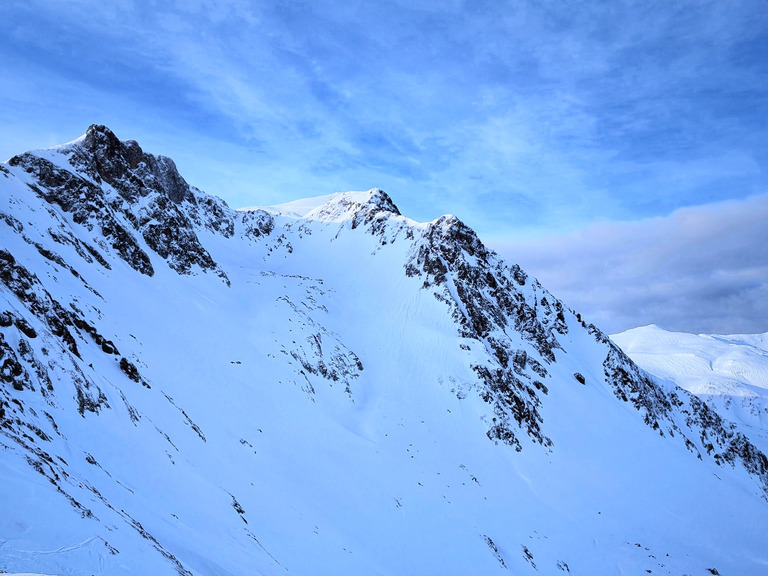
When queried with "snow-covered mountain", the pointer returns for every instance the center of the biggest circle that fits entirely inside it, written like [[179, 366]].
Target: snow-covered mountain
[[730, 373], [325, 387]]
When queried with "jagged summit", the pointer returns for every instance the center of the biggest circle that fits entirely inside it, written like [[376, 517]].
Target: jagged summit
[[105, 156], [137, 201], [190, 389], [102, 156]]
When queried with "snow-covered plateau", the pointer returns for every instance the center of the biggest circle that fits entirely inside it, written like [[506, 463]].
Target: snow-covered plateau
[[729, 372], [326, 387]]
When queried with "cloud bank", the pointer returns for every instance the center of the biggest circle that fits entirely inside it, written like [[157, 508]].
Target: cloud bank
[[699, 270]]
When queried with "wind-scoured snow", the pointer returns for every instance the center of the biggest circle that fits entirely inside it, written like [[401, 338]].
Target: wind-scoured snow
[[326, 387]]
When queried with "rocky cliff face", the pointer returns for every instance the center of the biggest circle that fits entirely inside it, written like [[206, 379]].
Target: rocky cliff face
[[118, 191], [164, 357]]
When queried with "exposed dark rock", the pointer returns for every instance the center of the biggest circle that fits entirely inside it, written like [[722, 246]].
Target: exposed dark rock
[[89, 398], [6, 319], [487, 302], [140, 210], [86, 203], [11, 370], [84, 250], [512, 400], [187, 419], [30, 291], [130, 369], [258, 223], [153, 200], [12, 222], [482, 286], [25, 328], [126, 167], [495, 551], [716, 437]]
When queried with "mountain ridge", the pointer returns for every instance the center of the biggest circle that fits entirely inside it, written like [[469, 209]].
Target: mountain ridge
[[727, 371], [182, 376]]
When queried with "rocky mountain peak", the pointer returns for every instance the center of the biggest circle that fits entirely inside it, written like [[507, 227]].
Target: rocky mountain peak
[[360, 208], [381, 200], [98, 138], [125, 166], [350, 355], [134, 200]]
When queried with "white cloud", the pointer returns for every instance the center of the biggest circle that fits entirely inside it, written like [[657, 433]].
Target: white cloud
[[701, 269]]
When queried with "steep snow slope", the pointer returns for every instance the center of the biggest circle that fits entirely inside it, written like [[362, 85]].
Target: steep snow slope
[[730, 373], [325, 387]]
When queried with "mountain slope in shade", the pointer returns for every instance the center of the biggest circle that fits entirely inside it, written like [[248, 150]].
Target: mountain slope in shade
[[730, 373], [325, 387]]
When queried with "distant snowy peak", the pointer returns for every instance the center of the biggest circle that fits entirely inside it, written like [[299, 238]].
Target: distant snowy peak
[[729, 372], [702, 363], [295, 208], [339, 207]]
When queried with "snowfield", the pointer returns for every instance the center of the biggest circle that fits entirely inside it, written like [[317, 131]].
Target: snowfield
[[325, 387], [729, 372]]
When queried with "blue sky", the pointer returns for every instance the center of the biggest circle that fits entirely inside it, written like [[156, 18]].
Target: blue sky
[[534, 122]]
